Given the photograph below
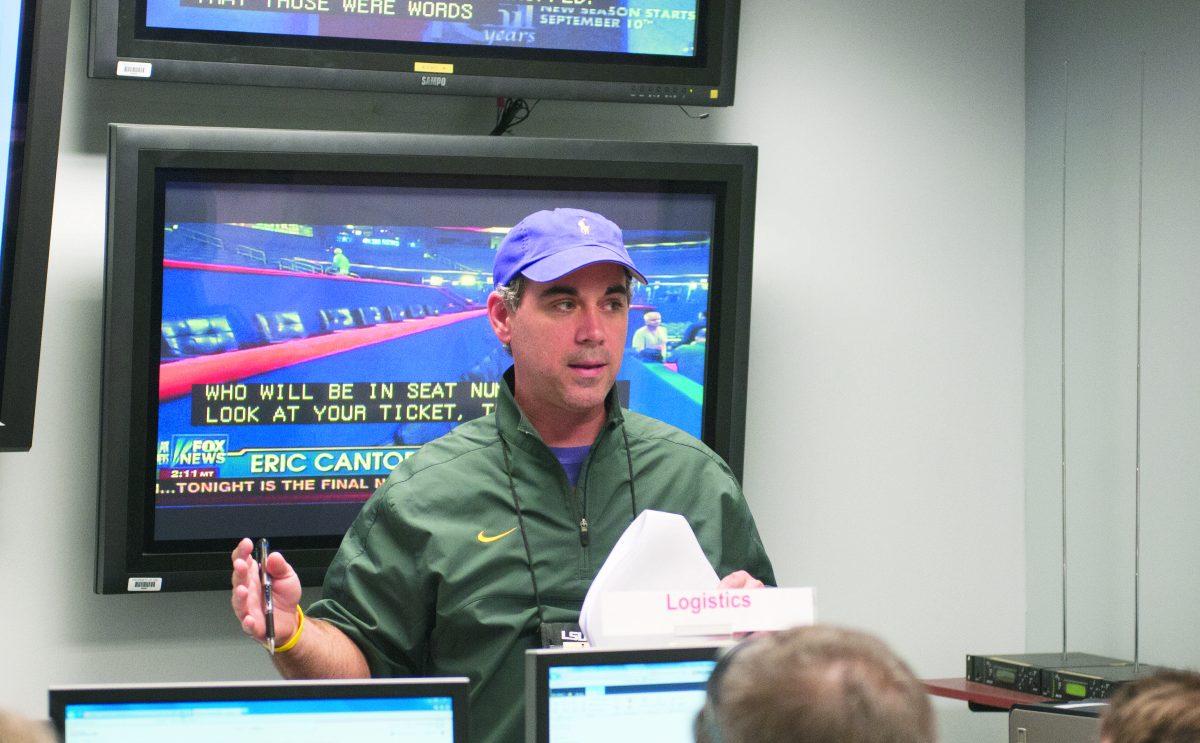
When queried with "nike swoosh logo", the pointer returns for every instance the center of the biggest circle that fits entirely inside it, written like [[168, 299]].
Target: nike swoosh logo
[[488, 540]]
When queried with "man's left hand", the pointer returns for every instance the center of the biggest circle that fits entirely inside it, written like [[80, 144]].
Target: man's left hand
[[741, 580]]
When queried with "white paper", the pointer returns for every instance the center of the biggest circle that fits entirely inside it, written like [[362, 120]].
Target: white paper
[[657, 552]]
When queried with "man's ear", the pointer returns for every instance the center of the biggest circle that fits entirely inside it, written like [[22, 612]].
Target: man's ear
[[500, 318]]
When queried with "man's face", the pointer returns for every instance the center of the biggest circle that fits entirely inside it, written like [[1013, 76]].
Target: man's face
[[653, 320], [567, 337]]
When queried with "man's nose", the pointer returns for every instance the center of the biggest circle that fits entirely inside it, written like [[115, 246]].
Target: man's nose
[[590, 329]]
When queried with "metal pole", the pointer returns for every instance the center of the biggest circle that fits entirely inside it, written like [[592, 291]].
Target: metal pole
[[1063, 365], [1137, 478]]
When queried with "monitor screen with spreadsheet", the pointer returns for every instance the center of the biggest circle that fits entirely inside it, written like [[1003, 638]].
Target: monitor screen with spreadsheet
[[412, 710], [586, 696]]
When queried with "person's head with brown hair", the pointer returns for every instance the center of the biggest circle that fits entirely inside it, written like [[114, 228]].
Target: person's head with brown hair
[[816, 684], [1163, 708], [16, 729]]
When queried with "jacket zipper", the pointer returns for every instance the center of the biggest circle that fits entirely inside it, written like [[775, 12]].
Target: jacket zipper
[[577, 506]]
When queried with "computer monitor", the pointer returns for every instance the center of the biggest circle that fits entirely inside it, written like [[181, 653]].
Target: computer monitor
[[590, 696], [33, 42], [412, 710]]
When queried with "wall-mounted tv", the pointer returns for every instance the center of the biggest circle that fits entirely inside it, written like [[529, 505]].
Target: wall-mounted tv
[[33, 42], [649, 51], [290, 314]]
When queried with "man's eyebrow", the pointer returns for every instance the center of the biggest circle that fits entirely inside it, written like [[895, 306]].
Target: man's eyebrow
[[564, 290], [556, 290]]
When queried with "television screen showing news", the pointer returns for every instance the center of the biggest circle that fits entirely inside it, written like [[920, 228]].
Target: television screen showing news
[[643, 27], [314, 336]]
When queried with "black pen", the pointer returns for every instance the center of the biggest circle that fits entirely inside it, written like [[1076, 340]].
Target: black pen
[[264, 577]]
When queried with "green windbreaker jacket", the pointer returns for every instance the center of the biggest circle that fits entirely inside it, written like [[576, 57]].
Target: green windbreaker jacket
[[432, 578]]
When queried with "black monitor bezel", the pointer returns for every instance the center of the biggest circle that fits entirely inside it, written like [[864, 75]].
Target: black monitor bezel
[[138, 154], [39, 82], [539, 662], [456, 687], [118, 34]]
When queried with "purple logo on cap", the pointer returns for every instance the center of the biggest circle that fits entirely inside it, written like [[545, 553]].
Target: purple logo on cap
[[548, 245]]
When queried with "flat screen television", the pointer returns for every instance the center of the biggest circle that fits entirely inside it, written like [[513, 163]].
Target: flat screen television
[[650, 51], [416, 710], [290, 314], [33, 42]]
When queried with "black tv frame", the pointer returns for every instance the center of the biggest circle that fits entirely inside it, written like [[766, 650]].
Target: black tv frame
[[455, 687], [27, 238], [117, 50], [539, 662], [138, 152]]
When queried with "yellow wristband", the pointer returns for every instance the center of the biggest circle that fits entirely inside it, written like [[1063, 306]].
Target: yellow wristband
[[295, 635]]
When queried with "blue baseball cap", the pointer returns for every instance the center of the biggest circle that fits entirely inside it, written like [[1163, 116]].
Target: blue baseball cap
[[548, 245]]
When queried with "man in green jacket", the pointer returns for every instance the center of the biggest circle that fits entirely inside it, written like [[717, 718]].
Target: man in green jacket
[[496, 530]]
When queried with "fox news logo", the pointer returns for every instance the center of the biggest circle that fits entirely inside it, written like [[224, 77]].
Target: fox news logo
[[197, 451]]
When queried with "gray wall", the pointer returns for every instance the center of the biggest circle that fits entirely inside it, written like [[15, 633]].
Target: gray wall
[[1084, 67], [884, 457]]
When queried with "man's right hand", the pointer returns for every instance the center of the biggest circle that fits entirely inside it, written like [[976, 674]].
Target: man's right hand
[[247, 597]]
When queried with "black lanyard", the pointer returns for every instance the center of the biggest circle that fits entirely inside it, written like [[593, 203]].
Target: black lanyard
[[512, 489]]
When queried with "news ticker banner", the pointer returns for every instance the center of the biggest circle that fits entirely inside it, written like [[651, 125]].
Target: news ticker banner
[[194, 469], [241, 404]]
